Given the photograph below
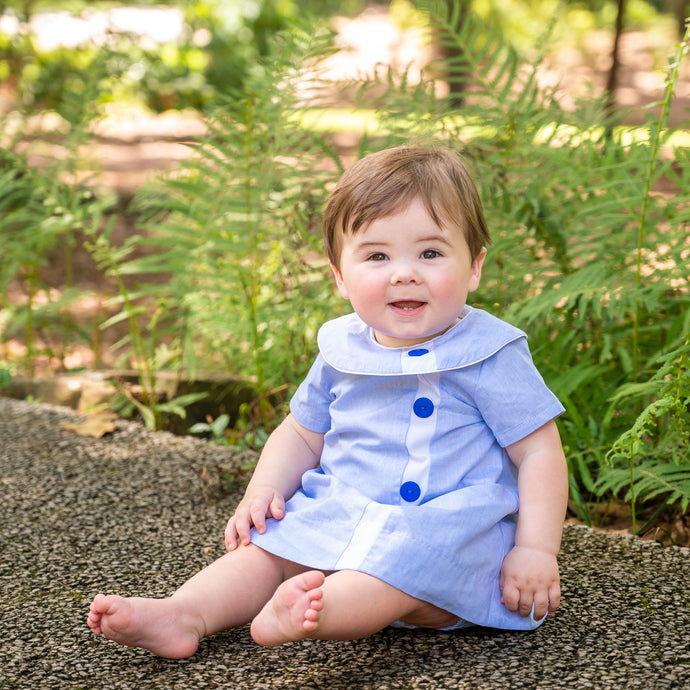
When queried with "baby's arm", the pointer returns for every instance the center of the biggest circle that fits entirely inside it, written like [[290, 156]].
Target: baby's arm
[[289, 452], [529, 575]]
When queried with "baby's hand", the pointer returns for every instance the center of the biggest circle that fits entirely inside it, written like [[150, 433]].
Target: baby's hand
[[259, 503], [530, 577]]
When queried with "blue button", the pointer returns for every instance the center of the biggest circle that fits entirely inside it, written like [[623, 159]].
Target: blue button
[[423, 407], [418, 353], [410, 491]]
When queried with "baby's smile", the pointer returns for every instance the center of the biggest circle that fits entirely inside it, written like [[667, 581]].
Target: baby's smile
[[407, 305]]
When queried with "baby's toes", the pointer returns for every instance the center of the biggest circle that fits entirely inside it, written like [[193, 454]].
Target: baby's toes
[[94, 622]]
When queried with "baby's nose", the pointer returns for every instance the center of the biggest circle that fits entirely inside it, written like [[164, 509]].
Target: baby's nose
[[404, 272]]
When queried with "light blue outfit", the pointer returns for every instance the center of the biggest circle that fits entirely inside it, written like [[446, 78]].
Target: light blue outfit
[[414, 486]]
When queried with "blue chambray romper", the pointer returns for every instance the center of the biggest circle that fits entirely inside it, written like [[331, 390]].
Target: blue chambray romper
[[414, 486]]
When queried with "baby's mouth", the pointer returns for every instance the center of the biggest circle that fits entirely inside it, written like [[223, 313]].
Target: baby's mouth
[[407, 305]]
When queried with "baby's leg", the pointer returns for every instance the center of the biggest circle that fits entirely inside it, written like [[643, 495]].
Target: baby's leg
[[347, 606], [226, 594]]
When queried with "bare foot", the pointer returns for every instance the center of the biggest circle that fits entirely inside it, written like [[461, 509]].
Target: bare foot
[[154, 624], [293, 611]]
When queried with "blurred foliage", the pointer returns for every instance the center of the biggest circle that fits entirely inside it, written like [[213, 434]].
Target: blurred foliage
[[220, 43]]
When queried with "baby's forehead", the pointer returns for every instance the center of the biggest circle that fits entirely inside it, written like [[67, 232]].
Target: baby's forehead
[[443, 220]]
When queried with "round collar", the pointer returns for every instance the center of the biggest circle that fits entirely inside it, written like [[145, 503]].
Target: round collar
[[348, 345]]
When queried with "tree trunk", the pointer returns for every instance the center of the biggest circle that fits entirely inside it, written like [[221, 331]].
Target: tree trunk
[[612, 80], [448, 52]]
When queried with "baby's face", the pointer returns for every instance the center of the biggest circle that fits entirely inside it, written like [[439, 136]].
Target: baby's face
[[407, 278]]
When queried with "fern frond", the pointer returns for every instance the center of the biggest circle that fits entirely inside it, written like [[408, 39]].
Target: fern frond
[[650, 481], [629, 444], [232, 227], [483, 61]]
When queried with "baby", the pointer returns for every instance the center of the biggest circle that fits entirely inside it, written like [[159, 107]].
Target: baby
[[390, 493]]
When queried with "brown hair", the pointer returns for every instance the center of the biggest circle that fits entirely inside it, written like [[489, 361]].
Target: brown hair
[[385, 182]]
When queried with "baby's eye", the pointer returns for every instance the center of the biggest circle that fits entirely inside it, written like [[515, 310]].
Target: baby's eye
[[430, 254], [377, 256]]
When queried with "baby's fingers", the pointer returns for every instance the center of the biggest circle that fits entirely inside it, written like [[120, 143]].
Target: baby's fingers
[[277, 507], [238, 530], [520, 600], [258, 516], [541, 606], [272, 506], [242, 522], [231, 535], [510, 596], [252, 512], [554, 598]]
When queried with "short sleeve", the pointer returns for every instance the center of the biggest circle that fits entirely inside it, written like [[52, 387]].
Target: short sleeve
[[511, 394], [311, 402]]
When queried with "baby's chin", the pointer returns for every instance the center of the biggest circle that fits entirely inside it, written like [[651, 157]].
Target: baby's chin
[[410, 339]]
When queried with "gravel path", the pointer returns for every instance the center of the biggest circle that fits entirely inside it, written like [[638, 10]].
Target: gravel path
[[129, 514]]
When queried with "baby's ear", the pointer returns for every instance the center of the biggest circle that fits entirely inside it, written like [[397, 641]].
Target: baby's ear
[[476, 270], [340, 282]]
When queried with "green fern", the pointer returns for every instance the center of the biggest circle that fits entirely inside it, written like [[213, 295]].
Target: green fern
[[39, 212], [233, 228], [650, 480], [662, 430]]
